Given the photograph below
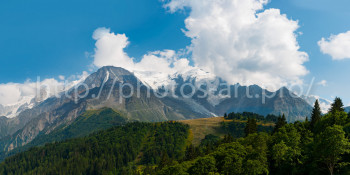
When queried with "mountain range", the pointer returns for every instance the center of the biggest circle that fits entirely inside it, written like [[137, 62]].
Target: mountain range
[[186, 99]]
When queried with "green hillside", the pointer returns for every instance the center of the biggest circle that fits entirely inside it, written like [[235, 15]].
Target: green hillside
[[115, 150], [89, 122]]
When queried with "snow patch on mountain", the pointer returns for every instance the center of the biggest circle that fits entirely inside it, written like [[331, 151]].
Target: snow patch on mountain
[[197, 107], [194, 76], [158, 79], [12, 110], [33, 93], [325, 104], [107, 77], [154, 80]]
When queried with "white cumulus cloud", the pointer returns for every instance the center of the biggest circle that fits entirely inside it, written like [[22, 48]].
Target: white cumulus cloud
[[242, 42], [237, 40], [109, 49], [61, 77], [322, 83], [337, 46]]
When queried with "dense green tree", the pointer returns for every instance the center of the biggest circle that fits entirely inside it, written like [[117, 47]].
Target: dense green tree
[[209, 143], [306, 145], [191, 153], [271, 118], [246, 115], [281, 122], [210, 139], [279, 151], [236, 129], [228, 138], [177, 169], [286, 150], [336, 118], [164, 161], [230, 158], [257, 150], [251, 127], [284, 120], [204, 165], [330, 145], [316, 115], [337, 105]]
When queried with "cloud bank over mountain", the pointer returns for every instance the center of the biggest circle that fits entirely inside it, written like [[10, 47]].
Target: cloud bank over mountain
[[241, 41], [14, 94], [154, 68]]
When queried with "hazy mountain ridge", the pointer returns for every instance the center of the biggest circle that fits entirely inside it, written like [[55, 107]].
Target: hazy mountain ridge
[[347, 109], [282, 102], [243, 98]]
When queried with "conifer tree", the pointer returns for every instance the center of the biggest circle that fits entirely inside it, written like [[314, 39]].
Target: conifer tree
[[306, 120], [251, 127], [284, 120], [337, 105], [190, 153], [281, 122], [316, 115], [165, 160], [228, 139]]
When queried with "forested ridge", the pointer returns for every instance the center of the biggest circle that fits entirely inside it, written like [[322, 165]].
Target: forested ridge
[[318, 145], [87, 123], [114, 151]]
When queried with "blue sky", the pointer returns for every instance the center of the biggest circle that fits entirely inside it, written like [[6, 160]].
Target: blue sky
[[51, 38]]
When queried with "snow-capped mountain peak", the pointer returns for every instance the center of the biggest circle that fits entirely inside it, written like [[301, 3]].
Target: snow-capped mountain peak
[[156, 79], [46, 89], [194, 76]]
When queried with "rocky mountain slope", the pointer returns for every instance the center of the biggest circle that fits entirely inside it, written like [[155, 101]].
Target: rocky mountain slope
[[223, 98], [103, 89], [186, 99]]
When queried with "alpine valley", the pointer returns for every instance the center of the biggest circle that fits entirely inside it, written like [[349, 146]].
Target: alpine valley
[[174, 87]]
